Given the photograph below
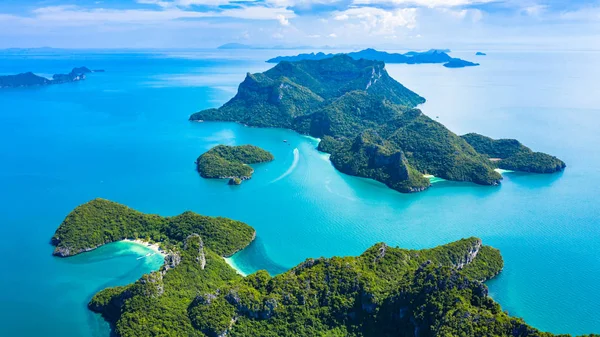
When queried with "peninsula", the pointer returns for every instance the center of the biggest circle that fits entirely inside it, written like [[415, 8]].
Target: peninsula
[[366, 120], [385, 291], [30, 79], [413, 57], [231, 162]]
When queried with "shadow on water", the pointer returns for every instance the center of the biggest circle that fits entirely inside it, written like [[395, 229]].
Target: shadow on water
[[255, 257]]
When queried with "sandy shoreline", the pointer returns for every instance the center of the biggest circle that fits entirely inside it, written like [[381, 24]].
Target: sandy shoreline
[[230, 262], [153, 246], [501, 171]]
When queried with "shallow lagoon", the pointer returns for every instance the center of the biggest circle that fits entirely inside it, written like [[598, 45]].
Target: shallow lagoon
[[123, 135]]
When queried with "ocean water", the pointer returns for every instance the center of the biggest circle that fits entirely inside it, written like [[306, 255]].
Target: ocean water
[[124, 135]]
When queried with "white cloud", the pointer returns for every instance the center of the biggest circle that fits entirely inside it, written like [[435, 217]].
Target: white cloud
[[423, 3], [379, 21], [332, 35], [474, 15], [78, 16], [283, 20]]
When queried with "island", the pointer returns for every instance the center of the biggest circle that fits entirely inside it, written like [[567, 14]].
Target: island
[[234, 45], [231, 162], [385, 291], [458, 63], [365, 119], [30, 79], [412, 57], [480, 54], [510, 154]]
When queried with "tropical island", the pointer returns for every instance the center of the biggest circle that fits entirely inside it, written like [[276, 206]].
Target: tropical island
[[510, 154], [231, 162], [412, 57], [30, 79], [386, 291], [366, 120]]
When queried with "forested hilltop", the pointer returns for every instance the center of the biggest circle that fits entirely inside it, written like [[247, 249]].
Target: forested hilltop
[[101, 221], [385, 291], [224, 161], [366, 119], [510, 154]]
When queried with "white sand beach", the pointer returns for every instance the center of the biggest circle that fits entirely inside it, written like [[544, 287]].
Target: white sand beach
[[154, 246], [232, 264]]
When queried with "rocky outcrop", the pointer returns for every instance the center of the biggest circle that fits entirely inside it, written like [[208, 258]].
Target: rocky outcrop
[[153, 285], [194, 243], [469, 256], [260, 311]]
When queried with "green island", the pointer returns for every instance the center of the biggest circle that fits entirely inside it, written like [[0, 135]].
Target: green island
[[510, 154], [385, 291], [367, 121], [231, 162]]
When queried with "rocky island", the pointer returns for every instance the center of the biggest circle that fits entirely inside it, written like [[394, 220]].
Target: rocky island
[[366, 120], [30, 79], [386, 291], [231, 162], [412, 57]]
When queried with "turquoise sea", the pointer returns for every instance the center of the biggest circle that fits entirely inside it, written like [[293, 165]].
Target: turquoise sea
[[124, 135]]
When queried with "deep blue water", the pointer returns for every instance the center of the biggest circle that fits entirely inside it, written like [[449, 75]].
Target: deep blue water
[[124, 135]]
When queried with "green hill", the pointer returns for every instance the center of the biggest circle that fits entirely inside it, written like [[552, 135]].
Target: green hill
[[100, 221], [510, 154], [224, 161], [367, 120]]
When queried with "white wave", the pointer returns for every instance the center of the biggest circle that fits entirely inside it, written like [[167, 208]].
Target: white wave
[[291, 168]]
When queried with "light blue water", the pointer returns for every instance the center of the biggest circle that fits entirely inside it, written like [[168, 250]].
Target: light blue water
[[124, 135]]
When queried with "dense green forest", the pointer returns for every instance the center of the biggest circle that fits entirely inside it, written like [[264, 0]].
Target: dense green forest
[[224, 161], [369, 124], [101, 221], [510, 154], [386, 291]]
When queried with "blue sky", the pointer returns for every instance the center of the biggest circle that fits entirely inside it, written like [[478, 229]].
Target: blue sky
[[533, 24]]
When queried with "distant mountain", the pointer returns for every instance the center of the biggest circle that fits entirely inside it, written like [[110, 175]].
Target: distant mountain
[[412, 57], [30, 79], [367, 122], [234, 46]]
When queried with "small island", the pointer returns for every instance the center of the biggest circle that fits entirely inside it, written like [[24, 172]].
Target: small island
[[385, 291], [231, 162], [30, 79], [480, 54], [458, 63], [412, 57]]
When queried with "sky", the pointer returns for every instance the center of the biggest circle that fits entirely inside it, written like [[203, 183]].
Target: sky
[[389, 24]]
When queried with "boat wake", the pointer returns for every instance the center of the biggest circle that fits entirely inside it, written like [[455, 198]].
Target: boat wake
[[291, 168]]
